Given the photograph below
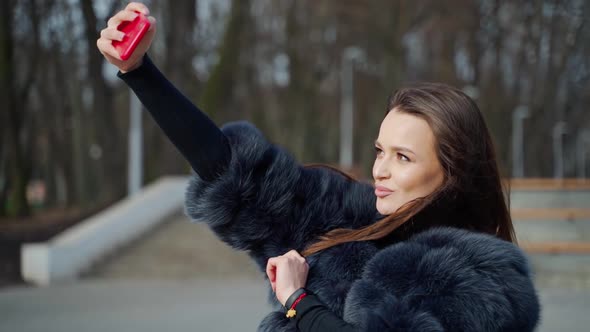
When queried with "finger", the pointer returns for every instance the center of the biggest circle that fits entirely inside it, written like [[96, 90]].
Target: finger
[[106, 47], [271, 269], [271, 272], [138, 6], [294, 253], [124, 15], [296, 257], [152, 23], [112, 34]]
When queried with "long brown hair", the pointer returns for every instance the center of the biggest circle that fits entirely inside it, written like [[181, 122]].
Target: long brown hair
[[471, 196]]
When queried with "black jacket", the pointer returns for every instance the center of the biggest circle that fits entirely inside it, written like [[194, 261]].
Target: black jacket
[[440, 279]]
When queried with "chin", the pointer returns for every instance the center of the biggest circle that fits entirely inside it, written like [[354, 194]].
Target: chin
[[385, 209]]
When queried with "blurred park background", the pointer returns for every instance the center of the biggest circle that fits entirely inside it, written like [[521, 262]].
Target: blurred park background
[[314, 76]]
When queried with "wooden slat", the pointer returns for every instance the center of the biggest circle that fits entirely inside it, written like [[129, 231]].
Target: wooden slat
[[556, 247], [548, 184], [554, 214]]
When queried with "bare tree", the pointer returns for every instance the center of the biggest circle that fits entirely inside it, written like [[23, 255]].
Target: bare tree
[[21, 126]]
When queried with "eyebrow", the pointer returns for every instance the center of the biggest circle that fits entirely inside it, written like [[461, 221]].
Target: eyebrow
[[397, 148]]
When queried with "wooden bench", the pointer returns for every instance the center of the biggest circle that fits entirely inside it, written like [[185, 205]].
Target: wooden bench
[[555, 247]]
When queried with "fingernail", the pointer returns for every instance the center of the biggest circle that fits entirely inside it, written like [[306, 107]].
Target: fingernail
[[121, 36]]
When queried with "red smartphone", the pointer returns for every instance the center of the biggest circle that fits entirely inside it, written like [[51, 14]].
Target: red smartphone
[[134, 31]]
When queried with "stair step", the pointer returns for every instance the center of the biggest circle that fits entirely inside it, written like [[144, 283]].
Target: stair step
[[549, 184], [543, 193], [561, 270], [555, 247], [550, 213], [177, 249], [552, 230]]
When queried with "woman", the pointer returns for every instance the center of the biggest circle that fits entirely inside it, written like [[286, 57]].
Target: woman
[[429, 248]]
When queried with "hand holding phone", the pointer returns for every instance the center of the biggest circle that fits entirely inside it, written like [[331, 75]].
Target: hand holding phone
[[134, 32], [127, 36]]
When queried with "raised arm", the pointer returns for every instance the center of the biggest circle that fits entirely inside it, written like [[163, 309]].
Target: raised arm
[[198, 139], [253, 194]]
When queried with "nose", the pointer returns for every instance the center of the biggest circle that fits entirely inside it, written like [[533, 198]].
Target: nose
[[381, 169]]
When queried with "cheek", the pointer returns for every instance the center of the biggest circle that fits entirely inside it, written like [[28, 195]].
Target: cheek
[[415, 181], [411, 181], [407, 178], [375, 167]]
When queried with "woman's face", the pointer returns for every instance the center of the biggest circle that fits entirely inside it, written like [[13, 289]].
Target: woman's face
[[406, 164]]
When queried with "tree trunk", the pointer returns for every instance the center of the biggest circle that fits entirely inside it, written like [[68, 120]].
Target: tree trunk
[[219, 88], [109, 134], [18, 171]]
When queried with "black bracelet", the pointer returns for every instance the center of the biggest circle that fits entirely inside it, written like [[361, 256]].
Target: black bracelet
[[293, 298]]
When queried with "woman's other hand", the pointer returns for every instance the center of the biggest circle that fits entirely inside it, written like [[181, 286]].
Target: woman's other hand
[[110, 33], [287, 273]]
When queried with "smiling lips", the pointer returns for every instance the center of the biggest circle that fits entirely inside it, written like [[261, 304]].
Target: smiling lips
[[382, 192]]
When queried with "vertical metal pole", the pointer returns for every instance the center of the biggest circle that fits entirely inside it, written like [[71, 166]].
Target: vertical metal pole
[[349, 56], [583, 140], [559, 129], [135, 170], [519, 114], [347, 113]]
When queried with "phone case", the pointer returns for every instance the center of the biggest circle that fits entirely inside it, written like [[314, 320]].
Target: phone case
[[134, 31]]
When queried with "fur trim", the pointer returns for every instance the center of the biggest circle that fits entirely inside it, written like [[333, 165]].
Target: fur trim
[[266, 203], [446, 279]]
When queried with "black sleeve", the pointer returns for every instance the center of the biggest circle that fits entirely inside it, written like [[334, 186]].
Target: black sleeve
[[199, 140], [314, 316]]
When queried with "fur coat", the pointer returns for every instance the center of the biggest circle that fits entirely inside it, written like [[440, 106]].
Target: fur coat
[[440, 279]]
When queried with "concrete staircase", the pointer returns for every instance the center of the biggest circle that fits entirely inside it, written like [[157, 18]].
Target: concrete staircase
[[178, 250], [552, 223]]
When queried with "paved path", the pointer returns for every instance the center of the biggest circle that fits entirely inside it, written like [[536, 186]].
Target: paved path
[[179, 277], [134, 306], [182, 278], [565, 310], [174, 306]]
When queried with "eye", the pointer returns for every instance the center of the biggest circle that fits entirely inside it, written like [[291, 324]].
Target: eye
[[402, 156], [378, 152]]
